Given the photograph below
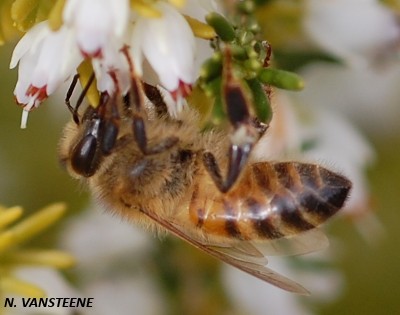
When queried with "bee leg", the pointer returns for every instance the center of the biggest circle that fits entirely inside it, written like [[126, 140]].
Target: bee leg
[[139, 132], [247, 130], [242, 141], [69, 94], [138, 89], [74, 110], [138, 121], [259, 126], [156, 98], [110, 122], [238, 156], [244, 137]]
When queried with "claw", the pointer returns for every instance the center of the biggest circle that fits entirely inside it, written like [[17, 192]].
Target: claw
[[238, 156]]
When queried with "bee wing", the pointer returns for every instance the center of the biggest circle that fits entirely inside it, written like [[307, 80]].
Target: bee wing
[[250, 256], [241, 254], [261, 271], [299, 244]]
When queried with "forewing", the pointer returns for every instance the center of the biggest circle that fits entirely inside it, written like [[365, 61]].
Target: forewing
[[241, 254], [261, 271]]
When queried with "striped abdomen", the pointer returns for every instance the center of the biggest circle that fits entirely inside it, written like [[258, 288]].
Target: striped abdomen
[[271, 200]]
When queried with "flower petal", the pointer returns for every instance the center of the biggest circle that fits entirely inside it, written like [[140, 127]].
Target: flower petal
[[168, 46], [96, 22], [355, 30]]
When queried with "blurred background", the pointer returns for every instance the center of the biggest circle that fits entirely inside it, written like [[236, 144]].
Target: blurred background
[[366, 276]]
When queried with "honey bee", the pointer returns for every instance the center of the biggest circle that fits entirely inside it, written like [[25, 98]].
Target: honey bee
[[164, 174]]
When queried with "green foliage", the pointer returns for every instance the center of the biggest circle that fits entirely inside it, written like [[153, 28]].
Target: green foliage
[[242, 53]]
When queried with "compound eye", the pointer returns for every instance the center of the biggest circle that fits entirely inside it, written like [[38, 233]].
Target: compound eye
[[84, 160]]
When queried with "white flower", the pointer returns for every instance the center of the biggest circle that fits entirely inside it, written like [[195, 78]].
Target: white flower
[[168, 44], [111, 60], [98, 30], [368, 96], [357, 31], [96, 22], [46, 60]]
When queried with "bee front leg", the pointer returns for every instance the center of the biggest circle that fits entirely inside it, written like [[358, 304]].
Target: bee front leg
[[74, 110]]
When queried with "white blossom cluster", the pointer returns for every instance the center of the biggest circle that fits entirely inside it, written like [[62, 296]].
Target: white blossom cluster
[[99, 29]]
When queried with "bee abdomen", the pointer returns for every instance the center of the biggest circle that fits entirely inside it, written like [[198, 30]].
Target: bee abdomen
[[318, 192], [302, 196], [272, 201]]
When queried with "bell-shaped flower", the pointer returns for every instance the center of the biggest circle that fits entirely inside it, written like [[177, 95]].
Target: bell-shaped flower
[[46, 59], [167, 43], [357, 31], [95, 22]]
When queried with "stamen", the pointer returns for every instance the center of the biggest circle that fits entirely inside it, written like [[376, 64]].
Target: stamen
[[27, 109], [24, 118]]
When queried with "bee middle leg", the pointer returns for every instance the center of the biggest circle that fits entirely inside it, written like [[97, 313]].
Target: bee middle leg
[[140, 135], [139, 116]]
